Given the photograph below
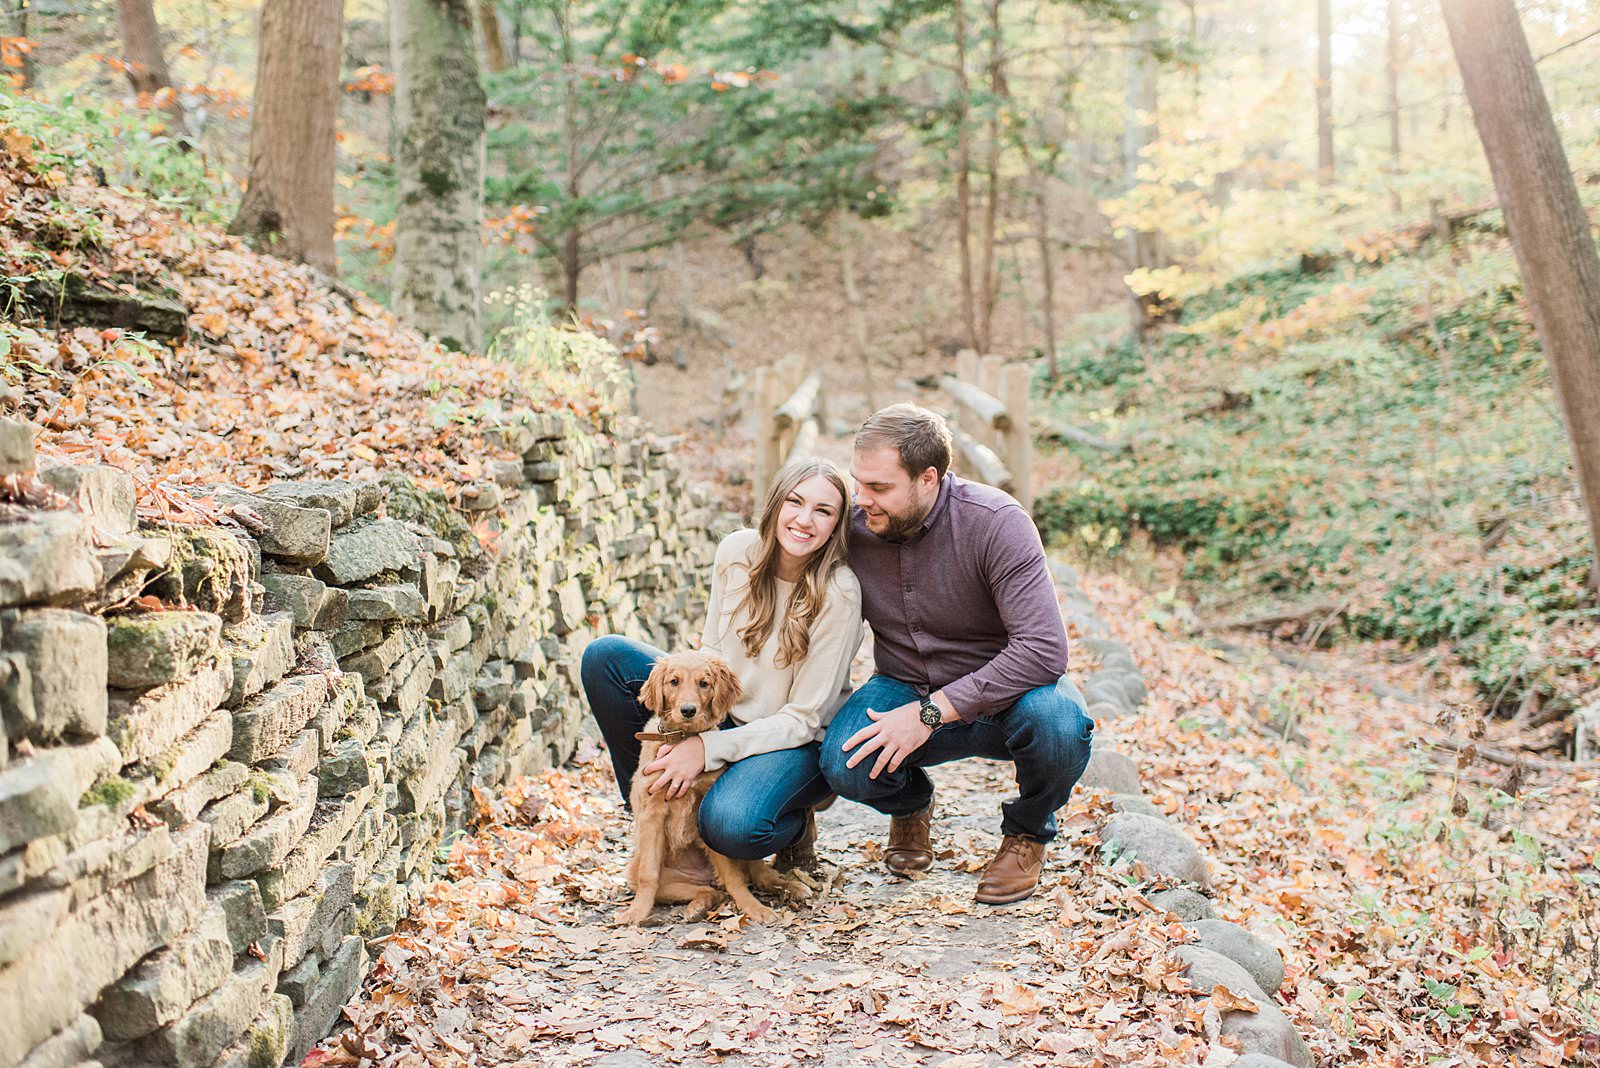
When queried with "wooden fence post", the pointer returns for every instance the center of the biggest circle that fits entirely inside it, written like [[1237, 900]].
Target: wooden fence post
[[1016, 381]]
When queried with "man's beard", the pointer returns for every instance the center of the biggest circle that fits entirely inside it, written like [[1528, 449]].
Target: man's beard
[[904, 523]]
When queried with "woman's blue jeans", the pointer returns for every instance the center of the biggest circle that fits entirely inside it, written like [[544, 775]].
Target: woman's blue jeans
[[756, 808], [1046, 734]]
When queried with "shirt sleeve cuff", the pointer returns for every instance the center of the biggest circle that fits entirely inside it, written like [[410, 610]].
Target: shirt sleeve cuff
[[964, 695], [717, 748]]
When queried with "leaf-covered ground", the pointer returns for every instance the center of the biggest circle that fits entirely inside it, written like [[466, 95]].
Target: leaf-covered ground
[[1424, 916], [281, 374]]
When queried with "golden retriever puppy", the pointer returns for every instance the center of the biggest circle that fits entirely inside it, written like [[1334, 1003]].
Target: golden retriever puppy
[[688, 694]]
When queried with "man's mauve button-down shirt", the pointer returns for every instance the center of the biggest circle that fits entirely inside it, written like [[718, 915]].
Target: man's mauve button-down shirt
[[964, 602]]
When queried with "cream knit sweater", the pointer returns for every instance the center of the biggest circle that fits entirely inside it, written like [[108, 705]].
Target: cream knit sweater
[[782, 707]]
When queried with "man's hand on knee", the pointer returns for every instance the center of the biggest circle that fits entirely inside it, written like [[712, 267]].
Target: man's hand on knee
[[893, 735]]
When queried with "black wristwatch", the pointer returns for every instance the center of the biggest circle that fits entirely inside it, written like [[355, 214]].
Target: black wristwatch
[[932, 715]]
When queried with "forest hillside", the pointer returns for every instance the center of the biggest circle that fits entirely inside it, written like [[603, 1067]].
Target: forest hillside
[[1353, 447], [451, 333]]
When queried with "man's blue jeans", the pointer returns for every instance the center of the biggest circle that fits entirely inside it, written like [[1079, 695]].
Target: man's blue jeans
[[759, 804], [1045, 734]]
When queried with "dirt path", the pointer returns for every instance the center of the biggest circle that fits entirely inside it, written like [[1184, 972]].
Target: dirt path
[[1337, 846]]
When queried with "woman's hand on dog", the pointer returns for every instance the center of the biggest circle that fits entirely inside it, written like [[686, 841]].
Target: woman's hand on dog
[[679, 765]]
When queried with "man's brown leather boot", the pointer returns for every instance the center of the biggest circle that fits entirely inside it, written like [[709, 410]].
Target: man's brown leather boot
[[910, 843], [1013, 874]]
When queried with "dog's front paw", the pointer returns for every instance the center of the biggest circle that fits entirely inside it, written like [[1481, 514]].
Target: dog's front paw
[[758, 913], [796, 888], [634, 915]]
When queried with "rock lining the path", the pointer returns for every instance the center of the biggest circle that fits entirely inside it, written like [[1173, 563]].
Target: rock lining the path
[[1139, 835]]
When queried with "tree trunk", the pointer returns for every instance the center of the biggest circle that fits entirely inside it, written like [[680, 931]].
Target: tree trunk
[[572, 240], [1324, 90], [494, 49], [27, 74], [146, 63], [1047, 271], [287, 208], [964, 178], [1138, 131], [440, 118], [846, 240], [1392, 87], [1554, 246], [991, 204]]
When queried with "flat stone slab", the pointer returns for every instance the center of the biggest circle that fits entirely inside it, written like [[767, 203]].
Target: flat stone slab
[[397, 601], [240, 902], [291, 532], [265, 1041], [263, 652], [311, 602], [168, 981], [71, 1047], [217, 1020], [270, 721], [145, 724], [343, 501], [39, 796], [57, 682], [266, 844], [157, 648], [97, 943], [336, 981], [27, 918], [359, 552], [300, 921], [46, 558], [102, 492]]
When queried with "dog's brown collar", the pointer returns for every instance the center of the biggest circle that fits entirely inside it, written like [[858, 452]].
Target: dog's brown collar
[[664, 736]]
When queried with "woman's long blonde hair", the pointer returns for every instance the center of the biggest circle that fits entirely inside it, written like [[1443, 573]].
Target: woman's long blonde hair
[[805, 604]]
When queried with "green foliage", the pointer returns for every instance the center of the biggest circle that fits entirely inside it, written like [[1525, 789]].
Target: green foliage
[[1374, 438], [121, 147]]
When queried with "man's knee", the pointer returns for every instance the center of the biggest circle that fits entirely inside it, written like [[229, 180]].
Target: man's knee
[[852, 783], [1052, 719]]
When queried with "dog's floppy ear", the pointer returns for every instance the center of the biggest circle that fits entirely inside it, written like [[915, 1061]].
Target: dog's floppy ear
[[654, 693], [725, 687]]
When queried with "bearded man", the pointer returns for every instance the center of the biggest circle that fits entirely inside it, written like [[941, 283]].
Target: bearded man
[[970, 653]]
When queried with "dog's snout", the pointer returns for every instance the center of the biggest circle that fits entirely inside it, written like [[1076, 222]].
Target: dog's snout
[[688, 711]]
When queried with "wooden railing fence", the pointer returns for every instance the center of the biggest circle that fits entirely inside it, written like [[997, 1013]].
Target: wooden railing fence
[[787, 409], [993, 441]]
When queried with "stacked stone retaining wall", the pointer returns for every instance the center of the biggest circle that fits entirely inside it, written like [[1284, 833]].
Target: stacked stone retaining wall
[[231, 749]]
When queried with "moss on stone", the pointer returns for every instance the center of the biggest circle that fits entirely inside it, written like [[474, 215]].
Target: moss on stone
[[209, 570], [267, 1044], [110, 792], [410, 502], [380, 912], [162, 766], [260, 787]]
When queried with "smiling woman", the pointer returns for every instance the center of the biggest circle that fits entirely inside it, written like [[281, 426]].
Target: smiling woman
[[785, 612]]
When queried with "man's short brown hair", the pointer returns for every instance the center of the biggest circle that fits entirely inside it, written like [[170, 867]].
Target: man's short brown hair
[[920, 437]]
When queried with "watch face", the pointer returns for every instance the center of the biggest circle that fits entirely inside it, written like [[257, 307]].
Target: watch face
[[931, 716]]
